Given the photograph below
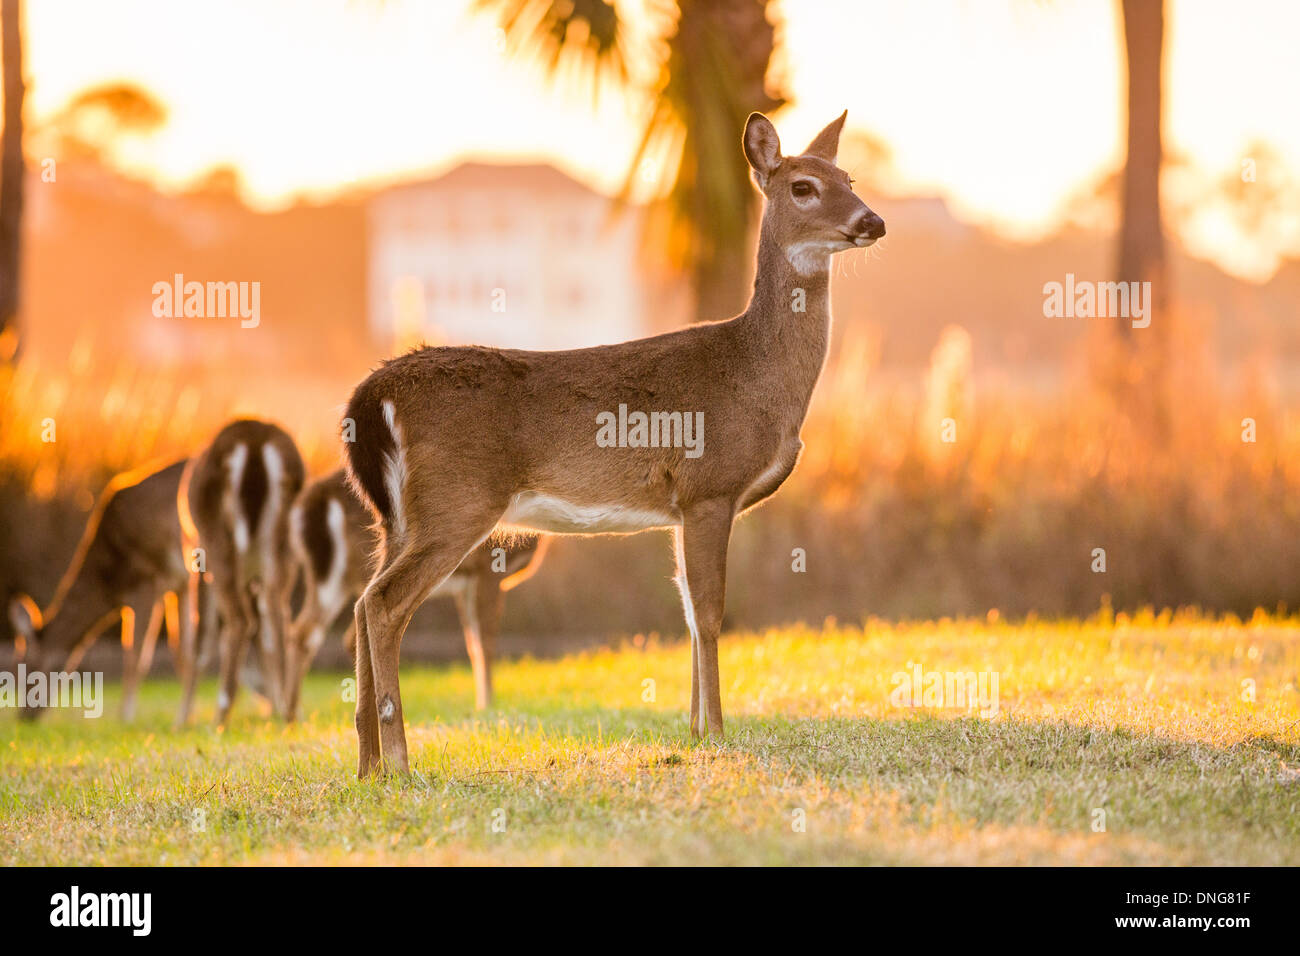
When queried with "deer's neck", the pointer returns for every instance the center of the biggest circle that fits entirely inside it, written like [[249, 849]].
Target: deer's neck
[[787, 325], [72, 614]]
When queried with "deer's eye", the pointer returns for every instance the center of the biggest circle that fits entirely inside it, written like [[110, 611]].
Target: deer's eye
[[802, 189]]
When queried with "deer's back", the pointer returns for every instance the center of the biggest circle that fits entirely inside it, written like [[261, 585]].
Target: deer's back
[[136, 536]]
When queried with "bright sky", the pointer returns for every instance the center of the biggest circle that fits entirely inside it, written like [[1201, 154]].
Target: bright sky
[[1004, 107]]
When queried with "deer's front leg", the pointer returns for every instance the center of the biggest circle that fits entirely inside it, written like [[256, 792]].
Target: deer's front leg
[[697, 720], [188, 647], [130, 659], [141, 620], [150, 644], [705, 534], [688, 608]]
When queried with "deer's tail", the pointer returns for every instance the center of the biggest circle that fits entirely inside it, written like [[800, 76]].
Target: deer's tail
[[375, 454]]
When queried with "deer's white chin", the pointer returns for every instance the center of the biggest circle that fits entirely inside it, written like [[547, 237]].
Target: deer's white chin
[[862, 242], [813, 255]]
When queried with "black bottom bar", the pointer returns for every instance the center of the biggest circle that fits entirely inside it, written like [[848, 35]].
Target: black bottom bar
[[929, 906]]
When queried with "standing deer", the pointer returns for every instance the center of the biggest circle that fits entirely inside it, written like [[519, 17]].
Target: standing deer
[[234, 510], [331, 533], [450, 442], [128, 566]]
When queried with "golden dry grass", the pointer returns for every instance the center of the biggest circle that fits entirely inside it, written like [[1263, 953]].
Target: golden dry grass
[[892, 520], [1151, 720]]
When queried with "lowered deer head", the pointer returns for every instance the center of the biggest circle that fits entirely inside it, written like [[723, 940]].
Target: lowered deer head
[[127, 567]]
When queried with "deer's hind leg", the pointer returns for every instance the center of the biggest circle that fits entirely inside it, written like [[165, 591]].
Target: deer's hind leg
[[436, 542], [197, 623], [367, 717], [273, 611], [306, 635], [239, 624]]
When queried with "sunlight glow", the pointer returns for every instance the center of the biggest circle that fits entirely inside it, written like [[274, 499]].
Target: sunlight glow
[[1005, 109]]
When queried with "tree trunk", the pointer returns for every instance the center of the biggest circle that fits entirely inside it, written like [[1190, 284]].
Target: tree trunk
[[12, 173], [1133, 364], [721, 281], [718, 62], [1142, 239]]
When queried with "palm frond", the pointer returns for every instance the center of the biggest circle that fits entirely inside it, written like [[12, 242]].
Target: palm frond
[[713, 57], [714, 76], [586, 35]]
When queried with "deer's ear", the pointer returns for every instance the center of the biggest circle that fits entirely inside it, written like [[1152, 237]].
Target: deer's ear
[[826, 144], [24, 617], [762, 147]]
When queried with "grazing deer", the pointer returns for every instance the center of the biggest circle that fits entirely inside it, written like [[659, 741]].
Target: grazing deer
[[234, 507], [450, 442], [331, 532], [128, 566]]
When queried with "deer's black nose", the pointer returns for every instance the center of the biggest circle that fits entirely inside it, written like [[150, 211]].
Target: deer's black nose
[[869, 224]]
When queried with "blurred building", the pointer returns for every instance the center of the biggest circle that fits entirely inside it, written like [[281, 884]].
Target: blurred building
[[349, 280], [510, 255]]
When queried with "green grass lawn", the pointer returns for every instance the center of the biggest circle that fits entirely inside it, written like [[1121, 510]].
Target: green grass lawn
[[1145, 726]]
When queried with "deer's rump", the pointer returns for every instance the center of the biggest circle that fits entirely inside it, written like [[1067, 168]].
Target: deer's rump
[[240, 491]]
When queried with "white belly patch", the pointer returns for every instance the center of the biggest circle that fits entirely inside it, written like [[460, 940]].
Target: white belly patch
[[540, 512]]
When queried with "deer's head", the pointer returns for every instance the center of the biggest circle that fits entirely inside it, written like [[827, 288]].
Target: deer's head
[[812, 210], [25, 619]]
